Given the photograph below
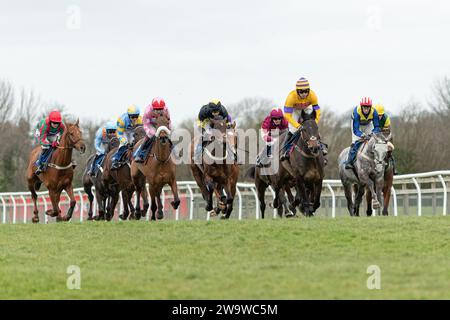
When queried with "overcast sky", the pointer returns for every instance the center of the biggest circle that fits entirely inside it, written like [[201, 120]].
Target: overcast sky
[[189, 52]]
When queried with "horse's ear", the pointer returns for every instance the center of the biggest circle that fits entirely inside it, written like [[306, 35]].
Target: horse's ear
[[78, 122], [233, 125]]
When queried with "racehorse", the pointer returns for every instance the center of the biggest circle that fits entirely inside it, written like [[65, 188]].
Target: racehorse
[[369, 166], [306, 165], [281, 182], [388, 180], [59, 173], [219, 170], [158, 169], [101, 193], [119, 180]]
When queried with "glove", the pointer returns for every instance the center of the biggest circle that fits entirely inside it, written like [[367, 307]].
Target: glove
[[269, 139], [55, 144]]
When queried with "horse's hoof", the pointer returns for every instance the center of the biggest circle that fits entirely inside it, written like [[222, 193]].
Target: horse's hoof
[[137, 216], [35, 219], [51, 213], [214, 213], [175, 204], [108, 217], [90, 217], [60, 219], [375, 204], [160, 215], [289, 214], [99, 218], [224, 217], [122, 217]]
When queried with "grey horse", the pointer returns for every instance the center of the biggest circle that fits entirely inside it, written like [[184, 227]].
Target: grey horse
[[369, 165]]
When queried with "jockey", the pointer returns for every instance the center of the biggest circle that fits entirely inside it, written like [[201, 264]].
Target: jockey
[[153, 111], [385, 124], [125, 128], [213, 109], [275, 120], [385, 121], [103, 136], [301, 99], [48, 133], [365, 121]]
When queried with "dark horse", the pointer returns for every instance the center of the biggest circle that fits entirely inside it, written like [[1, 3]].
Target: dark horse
[[158, 169], [59, 174], [280, 181], [119, 180], [307, 166], [388, 179], [219, 171], [101, 193]]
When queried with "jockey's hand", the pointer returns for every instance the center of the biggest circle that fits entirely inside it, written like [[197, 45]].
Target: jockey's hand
[[55, 144]]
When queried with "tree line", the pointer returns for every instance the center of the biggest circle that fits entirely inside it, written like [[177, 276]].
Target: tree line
[[420, 132]]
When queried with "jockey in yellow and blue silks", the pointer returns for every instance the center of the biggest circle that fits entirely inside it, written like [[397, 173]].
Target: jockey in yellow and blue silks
[[302, 99], [385, 124], [125, 132], [103, 136], [365, 121]]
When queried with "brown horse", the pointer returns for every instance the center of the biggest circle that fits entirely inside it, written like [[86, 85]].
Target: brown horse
[[101, 193], [158, 169], [307, 166], [388, 180], [219, 171], [119, 180], [59, 174]]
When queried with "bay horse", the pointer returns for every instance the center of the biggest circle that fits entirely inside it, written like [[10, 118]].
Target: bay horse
[[59, 173], [306, 165], [369, 166], [388, 180], [158, 169], [219, 170], [101, 192], [119, 180]]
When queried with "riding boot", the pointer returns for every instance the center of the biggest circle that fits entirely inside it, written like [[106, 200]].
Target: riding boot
[[287, 145], [269, 151], [352, 156], [324, 148], [144, 149], [118, 156], [41, 163], [91, 171], [198, 152]]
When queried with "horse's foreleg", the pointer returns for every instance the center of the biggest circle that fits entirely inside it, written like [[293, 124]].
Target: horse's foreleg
[[375, 201], [317, 194], [125, 199], [160, 214], [209, 195], [34, 196], [369, 203], [73, 203], [176, 200], [358, 199], [55, 211], [261, 188], [154, 206], [90, 195], [386, 198], [230, 190], [349, 197]]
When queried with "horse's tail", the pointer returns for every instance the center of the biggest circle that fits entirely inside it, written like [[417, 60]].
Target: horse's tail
[[251, 172]]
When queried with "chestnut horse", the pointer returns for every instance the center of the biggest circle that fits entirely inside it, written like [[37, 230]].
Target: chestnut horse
[[59, 173], [219, 171], [119, 180], [158, 169]]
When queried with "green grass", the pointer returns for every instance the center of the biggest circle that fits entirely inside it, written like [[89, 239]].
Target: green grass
[[271, 259]]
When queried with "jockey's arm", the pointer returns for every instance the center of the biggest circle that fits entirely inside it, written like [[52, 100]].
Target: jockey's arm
[[356, 124], [43, 141], [98, 141], [316, 108], [288, 116], [376, 122]]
